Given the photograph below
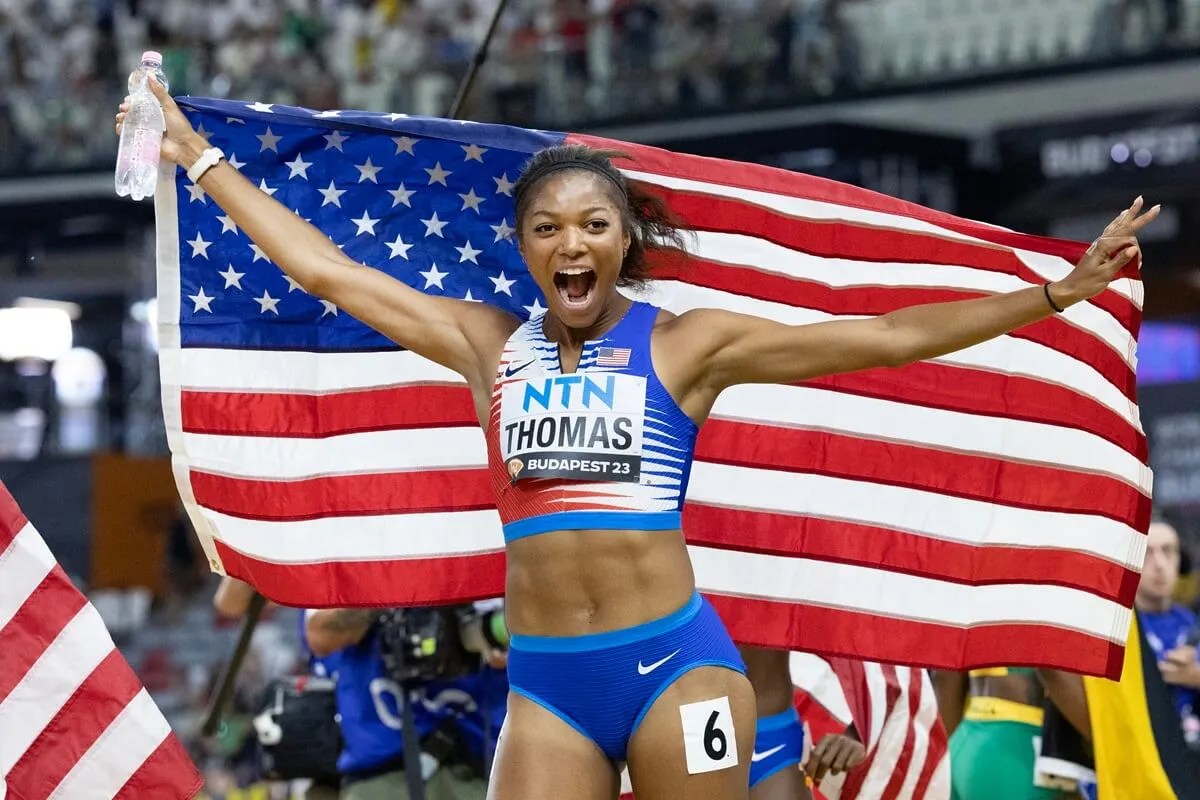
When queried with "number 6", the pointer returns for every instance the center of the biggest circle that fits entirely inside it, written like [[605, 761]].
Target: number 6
[[715, 745]]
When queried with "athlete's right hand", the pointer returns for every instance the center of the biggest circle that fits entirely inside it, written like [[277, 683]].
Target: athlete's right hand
[[179, 133]]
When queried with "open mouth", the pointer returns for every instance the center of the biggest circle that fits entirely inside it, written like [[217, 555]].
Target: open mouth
[[575, 285]]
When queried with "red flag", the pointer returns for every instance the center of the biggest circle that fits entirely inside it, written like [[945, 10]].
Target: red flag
[[75, 722]]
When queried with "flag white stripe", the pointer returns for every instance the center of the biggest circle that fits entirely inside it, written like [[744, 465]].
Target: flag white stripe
[[890, 743], [955, 519], [761, 255], [877, 691], [282, 372], [24, 564], [805, 407], [61, 669], [117, 755], [1048, 266], [925, 718], [452, 533], [918, 511], [1005, 354], [814, 675], [286, 458], [212, 369], [888, 420], [893, 594], [347, 454]]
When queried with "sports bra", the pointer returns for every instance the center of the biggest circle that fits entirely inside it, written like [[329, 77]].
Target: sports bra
[[605, 447]]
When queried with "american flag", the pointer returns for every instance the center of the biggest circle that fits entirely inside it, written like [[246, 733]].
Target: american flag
[[983, 508], [613, 356], [75, 722], [894, 710]]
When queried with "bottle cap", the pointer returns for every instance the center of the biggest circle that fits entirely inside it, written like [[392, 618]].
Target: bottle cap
[[153, 56]]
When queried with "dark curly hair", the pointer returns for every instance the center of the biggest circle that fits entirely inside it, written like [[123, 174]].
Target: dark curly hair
[[646, 216]]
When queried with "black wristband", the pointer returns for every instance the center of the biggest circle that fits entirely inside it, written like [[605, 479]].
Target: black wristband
[[1049, 299]]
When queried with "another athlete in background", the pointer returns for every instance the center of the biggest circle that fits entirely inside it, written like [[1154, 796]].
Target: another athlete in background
[[614, 656]]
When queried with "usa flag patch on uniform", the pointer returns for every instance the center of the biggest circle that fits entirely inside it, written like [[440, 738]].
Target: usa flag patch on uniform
[[613, 356]]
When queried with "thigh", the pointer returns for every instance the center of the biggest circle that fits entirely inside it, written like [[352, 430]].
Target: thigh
[[786, 784], [770, 675], [540, 757], [710, 760]]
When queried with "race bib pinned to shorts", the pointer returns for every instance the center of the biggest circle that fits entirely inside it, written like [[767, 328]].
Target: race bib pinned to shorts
[[578, 426], [709, 739]]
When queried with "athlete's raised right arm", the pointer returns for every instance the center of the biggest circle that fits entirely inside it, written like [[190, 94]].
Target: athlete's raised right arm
[[454, 333]]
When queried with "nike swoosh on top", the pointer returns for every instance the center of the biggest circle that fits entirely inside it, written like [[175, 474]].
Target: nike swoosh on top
[[510, 371], [767, 754], [643, 670]]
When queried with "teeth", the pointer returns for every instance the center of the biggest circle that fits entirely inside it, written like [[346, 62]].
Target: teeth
[[574, 271]]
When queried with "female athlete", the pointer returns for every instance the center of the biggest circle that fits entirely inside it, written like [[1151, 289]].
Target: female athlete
[[614, 656]]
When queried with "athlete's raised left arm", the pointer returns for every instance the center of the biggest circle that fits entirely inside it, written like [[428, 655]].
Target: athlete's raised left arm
[[736, 348]]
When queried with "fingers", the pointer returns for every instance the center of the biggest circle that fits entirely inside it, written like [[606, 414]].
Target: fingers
[[159, 92], [1129, 221], [841, 761], [1145, 219], [820, 760]]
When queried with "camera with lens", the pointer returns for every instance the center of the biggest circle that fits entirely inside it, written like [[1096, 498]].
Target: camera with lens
[[424, 644]]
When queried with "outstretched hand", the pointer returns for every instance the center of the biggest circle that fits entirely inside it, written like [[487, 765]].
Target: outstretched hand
[[1108, 255], [179, 131]]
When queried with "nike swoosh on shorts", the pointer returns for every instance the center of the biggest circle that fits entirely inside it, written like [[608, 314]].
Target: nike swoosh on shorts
[[643, 670], [767, 754]]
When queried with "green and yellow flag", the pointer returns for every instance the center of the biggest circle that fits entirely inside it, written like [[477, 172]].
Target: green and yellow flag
[[1136, 734]]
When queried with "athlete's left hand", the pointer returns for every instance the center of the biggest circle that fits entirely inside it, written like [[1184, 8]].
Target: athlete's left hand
[[1179, 668], [834, 754], [1116, 247]]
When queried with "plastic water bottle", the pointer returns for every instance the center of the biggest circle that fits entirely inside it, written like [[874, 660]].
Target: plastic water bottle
[[141, 136]]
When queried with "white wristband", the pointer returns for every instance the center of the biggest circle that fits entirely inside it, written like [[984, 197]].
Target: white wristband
[[207, 160]]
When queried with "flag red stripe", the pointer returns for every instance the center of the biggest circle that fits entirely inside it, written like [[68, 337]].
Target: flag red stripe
[[852, 675], [160, 775], [900, 772], [954, 474], [11, 519], [975, 391], [339, 584], [331, 414], [1054, 332], [862, 242], [842, 542], [722, 441], [841, 632], [345, 495], [934, 756], [50, 606], [83, 718], [772, 179], [925, 384], [731, 528], [854, 780]]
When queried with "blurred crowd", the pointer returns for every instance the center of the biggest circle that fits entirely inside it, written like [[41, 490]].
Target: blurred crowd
[[554, 63]]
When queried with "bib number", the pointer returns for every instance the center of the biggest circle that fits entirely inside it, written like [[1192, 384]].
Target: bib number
[[709, 740], [579, 427]]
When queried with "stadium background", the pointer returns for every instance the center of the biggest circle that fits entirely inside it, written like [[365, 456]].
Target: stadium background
[[1043, 115]]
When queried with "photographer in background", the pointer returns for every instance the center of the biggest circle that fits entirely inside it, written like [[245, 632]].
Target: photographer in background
[[459, 710]]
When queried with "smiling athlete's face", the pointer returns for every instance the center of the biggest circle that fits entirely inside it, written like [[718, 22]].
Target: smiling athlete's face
[[574, 241]]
